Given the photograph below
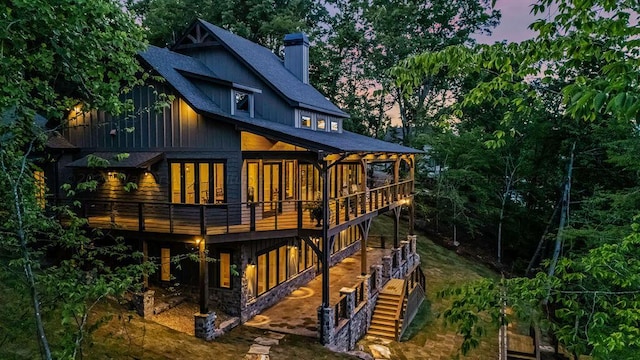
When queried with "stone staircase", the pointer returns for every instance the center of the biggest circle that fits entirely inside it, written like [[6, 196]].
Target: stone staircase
[[390, 299]]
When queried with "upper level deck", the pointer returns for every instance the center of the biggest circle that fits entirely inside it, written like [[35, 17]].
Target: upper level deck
[[222, 222]]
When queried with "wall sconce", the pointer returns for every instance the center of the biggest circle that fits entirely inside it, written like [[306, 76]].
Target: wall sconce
[[198, 240]]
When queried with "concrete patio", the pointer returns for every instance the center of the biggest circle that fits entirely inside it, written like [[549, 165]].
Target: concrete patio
[[298, 312]]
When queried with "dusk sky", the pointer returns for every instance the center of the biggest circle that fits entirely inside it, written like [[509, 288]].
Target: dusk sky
[[513, 25]]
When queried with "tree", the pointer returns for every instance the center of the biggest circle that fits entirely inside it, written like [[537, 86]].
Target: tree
[[586, 56], [56, 55], [262, 21], [374, 36]]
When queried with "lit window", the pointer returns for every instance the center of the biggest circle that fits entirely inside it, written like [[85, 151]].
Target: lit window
[[334, 126], [322, 124], [38, 178], [225, 270], [305, 122], [197, 182]]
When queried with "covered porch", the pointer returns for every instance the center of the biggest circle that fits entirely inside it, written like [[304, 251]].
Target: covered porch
[[298, 312]]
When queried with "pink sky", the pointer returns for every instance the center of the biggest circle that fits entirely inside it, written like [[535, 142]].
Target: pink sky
[[514, 24]]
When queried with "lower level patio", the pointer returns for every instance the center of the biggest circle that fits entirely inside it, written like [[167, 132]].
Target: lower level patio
[[298, 312]]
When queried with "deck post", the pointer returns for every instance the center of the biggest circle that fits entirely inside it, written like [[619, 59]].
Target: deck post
[[204, 278], [326, 246], [396, 223], [145, 258]]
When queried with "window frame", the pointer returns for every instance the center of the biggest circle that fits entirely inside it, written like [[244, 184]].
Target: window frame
[[212, 176], [250, 100]]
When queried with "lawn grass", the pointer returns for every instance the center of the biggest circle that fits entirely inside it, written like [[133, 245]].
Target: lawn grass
[[127, 336]]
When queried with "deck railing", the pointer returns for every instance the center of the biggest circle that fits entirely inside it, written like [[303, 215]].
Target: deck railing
[[227, 218], [340, 310]]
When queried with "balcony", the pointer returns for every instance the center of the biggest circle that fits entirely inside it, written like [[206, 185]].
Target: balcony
[[236, 218]]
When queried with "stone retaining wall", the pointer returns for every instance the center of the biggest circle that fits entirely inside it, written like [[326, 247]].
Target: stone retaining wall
[[344, 335]]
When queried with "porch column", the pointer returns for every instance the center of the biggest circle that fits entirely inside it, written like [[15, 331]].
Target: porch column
[[396, 177], [412, 206], [145, 258], [363, 256], [364, 227], [363, 187], [396, 223], [326, 246], [204, 277]]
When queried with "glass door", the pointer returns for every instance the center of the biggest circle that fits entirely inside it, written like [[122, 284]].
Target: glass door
[[271, 189]]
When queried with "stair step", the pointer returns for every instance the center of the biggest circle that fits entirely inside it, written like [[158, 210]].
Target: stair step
[[383, 317], [381, 328], [386, 324], [387, 302], [382, 334], [388, 307]]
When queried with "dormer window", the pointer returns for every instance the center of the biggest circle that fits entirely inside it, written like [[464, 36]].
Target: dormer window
[[322, 124], [335, 127], [241, 103], [305, 122]]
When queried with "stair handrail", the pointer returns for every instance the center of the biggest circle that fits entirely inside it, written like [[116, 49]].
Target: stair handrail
[[400, 310]]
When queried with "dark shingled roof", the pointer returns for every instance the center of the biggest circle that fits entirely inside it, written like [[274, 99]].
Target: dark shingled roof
[[57, 141], [136, 160], [169, 64], [270, 67]]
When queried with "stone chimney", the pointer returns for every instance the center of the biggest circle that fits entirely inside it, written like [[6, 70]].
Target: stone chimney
[[296, 55]]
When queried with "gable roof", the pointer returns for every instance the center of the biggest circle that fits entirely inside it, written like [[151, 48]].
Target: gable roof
[[271, 69], [172, 67]]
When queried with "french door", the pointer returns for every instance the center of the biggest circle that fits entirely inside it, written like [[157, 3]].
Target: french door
[[272, 188]]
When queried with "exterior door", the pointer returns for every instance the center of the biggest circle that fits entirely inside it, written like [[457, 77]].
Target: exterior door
[[272, 186]]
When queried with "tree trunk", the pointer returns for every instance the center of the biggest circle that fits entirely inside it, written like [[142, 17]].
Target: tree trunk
[[541, 242], [28, 270], [563, 219]]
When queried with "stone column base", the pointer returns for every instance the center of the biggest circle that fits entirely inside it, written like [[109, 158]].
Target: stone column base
[[144, 303], [205, 325]]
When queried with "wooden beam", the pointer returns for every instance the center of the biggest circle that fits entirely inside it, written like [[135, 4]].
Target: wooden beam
[[326, 250], [364, 226], [396, 222], [145, 258], [204, 277]]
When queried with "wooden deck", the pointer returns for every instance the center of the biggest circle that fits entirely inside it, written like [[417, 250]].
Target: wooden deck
[[220, 219]]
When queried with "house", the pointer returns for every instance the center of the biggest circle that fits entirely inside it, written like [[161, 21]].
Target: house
[[247, 163]]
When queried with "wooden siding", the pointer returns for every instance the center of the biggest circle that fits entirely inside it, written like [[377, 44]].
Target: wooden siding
[[176, 128], [268, 105]]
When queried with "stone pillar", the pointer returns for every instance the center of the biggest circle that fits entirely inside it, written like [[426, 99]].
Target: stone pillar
[[413, 240], [405, 254], [326, 326], [366, 294], [205, 325], [144, 303], [386, 267], [377, 270], [396, 253], [350, 294]]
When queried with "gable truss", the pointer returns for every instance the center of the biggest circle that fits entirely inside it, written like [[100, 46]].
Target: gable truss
[[196, 36]]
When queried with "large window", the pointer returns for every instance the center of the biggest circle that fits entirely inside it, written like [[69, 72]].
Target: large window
[[197, 182], [310, 186], [289, 179], [252, 181], [277, 265], [225, 270]]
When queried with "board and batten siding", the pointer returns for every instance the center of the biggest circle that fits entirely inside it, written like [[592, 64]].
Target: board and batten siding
[[174, 127]]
